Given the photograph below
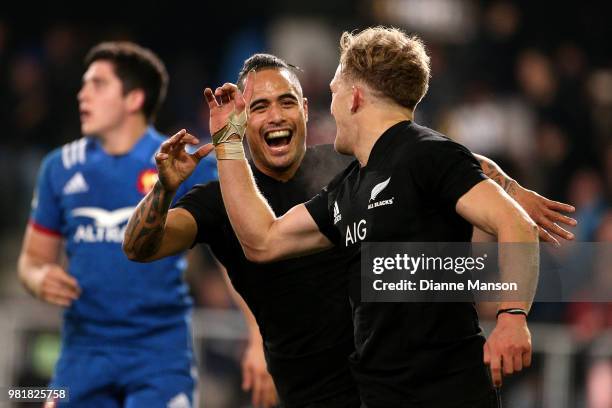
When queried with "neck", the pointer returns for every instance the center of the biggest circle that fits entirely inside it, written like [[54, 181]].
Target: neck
[[282, 175], [122, 138], [371, 124]]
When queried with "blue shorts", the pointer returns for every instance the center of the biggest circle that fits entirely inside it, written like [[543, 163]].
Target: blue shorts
[[127, 378]]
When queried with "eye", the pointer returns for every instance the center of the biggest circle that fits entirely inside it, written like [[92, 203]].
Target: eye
[[258, 108]]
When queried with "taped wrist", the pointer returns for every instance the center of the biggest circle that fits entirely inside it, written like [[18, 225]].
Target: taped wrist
[[228, 139]]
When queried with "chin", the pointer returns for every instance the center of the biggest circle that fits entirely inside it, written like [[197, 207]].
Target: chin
[[87, 130], [341, 147]]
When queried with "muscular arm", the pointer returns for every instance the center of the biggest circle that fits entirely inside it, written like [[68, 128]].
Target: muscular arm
[[153, 232], [264, 237], [487, 206], [495, 173]]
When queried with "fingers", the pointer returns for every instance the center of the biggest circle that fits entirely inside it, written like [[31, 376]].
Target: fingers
[[493, 360], [517, 361], [256, 396], [69, 283], [230, 93], [247, 378], [248, 86], [56, 294], [270, 398], [508, 363], [210, 99], [496, 370], [546, 237], [59, 286], [558, 206], [175, 144], [203, 151], [167, 145], [554, 228], [526, 356], [557, 217]]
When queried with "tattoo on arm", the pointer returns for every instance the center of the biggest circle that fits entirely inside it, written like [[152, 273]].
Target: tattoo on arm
[[495, 173], [144, 232]]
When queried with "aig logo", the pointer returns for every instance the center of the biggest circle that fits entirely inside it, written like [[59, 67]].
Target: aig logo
[[355, 232]]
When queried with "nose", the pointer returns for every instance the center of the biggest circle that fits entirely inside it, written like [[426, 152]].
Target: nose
[[275, 114], [82, 93]]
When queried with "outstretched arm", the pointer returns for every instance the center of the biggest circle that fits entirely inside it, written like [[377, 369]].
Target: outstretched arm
[[546, 213], [263, 236]]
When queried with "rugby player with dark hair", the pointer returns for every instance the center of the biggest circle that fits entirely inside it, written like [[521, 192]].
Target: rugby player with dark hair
[[300, 304], [126, 340]]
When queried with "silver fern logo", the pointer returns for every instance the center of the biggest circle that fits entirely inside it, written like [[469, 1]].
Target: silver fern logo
[[379, 188], [376, 191]]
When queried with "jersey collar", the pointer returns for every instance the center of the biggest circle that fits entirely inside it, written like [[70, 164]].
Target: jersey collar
[[386, 141], [144, 149]]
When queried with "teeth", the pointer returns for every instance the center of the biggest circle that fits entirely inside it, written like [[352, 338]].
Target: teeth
[[278, 134]]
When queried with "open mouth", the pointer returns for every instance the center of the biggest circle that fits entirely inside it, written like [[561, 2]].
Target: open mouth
[[278, 138]]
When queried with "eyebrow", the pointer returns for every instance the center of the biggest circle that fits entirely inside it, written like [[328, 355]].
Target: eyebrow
[[93, 79], [283, 96]]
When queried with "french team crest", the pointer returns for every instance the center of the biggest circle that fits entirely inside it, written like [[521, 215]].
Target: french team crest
[[146, 180]]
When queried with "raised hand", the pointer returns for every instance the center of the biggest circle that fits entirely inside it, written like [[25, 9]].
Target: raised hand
[[227, 100], [174, 164]]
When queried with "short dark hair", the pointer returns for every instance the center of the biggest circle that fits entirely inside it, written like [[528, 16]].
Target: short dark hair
[[137, 68], [259, 62]]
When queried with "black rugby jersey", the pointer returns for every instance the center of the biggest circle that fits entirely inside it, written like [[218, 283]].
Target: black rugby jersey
[[301, 305], [408, 354]]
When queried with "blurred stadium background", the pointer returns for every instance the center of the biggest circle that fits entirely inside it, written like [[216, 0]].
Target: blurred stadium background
[[527, 83]]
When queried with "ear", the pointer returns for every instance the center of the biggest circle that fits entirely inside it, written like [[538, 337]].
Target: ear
[[135, 100], [356, 98], [305, 104]]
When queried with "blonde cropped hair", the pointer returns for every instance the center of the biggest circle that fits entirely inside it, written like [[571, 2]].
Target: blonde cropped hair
[[388, 61]]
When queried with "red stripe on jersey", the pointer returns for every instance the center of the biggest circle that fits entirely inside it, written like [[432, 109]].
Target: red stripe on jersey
[[44, 229]]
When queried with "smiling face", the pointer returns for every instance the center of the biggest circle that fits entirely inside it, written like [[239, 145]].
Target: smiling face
[[102, 105], [276, 128]]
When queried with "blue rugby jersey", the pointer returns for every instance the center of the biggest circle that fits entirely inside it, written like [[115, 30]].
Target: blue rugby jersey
[[86, 196]]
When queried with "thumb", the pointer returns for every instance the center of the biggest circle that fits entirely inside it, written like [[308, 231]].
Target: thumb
[[161, 159]]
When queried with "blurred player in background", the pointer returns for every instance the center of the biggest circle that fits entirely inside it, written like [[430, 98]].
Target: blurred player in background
[[126, 339], [300, 304]]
